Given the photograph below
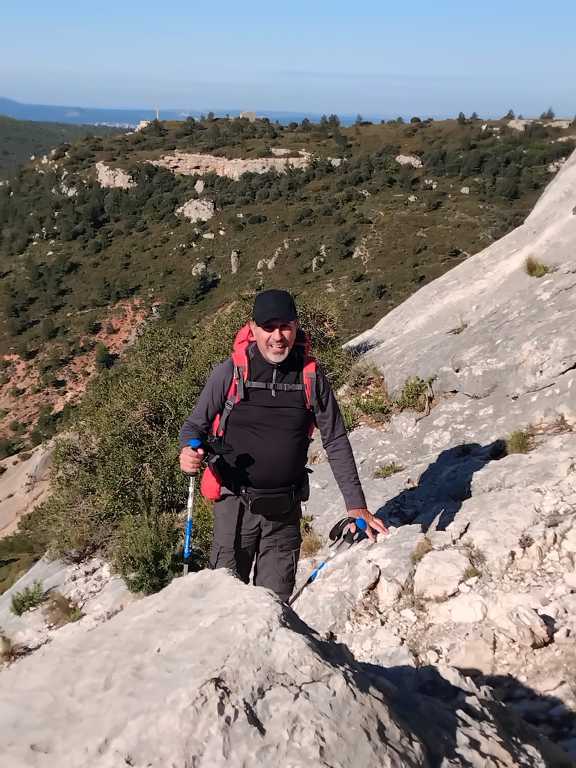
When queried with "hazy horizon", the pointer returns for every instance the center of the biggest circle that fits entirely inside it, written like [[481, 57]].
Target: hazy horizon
[[436, 60]]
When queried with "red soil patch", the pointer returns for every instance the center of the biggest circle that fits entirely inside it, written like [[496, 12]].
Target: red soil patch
[[119, 329]]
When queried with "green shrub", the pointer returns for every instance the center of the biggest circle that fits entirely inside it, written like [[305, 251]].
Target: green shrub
[[28, 598], [387, 470], [413, 394], [202, 530], [103, 358], [519, 441], [144, 552], [350, 415], [117, 485], [535, 268], [374, 404]]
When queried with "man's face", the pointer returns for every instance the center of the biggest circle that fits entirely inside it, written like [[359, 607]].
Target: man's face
[[275, 340]]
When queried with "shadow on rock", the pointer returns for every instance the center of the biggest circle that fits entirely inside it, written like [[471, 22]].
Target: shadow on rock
[[453, 718], [442, 487]]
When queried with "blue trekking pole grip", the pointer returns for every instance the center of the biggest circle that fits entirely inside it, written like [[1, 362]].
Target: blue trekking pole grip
[[194, 444]]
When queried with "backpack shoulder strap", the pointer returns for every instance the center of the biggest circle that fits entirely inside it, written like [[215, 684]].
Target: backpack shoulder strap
[[309, 381], [236, 390]]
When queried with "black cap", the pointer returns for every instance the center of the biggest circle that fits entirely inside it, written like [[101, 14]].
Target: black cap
[[274, 305]]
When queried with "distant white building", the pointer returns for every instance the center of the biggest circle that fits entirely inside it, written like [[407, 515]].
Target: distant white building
[[250, 116]]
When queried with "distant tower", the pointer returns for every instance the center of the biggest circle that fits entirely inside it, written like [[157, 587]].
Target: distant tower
[[157, 114]]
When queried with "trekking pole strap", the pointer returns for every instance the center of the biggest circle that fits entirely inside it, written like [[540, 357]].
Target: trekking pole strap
[[339, 536]]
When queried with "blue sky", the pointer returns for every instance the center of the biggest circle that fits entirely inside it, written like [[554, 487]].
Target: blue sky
[[434, 58]]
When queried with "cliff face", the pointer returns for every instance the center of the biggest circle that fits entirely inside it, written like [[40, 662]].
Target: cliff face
[[191, 164]]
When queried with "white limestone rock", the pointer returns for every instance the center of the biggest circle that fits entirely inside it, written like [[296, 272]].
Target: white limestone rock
[[199, 268], [237, 679], [412, 160], [113, 177], [196, 164], [196, 210], [438, 574], [211, 685]]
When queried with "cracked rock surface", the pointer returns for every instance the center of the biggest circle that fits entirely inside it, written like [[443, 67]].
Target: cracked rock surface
[[479, 568], [211, 672]]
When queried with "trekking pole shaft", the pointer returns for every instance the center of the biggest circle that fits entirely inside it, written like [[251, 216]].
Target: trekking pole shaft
[[189, 523], [194, 444], [361, 525]]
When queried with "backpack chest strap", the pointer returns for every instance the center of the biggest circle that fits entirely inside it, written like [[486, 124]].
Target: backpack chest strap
[[273, 386]]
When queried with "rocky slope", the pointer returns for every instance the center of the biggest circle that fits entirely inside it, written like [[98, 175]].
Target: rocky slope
[[401, 649], [478, 570], [212, 672]]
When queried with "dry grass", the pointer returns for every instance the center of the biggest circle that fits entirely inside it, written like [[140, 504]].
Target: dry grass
[[519, 441], [311, 541], [471, 572], [387, 470], [61, 610], [422, 548], [535, 268], [6, 649]]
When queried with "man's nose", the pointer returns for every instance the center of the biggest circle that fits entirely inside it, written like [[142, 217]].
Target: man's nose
[[276, 334]]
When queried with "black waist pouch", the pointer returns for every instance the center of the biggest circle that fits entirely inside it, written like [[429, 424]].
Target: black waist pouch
[[272, 503]]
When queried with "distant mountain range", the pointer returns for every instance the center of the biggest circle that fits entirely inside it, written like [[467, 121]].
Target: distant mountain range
[[131, 117]]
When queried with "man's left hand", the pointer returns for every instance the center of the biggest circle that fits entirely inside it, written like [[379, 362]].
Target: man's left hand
[[374, 525]]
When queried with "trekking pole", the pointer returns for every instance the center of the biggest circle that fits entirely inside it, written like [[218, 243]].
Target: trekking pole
[[195, 444], [347, 538]]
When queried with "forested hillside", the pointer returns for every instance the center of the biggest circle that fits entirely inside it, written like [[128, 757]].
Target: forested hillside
[[19, 139], [375, 212]]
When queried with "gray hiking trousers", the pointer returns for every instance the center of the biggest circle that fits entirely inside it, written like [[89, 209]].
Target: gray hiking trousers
[[242, 539]]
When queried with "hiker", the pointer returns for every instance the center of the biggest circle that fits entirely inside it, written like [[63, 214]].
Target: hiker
[[263, 403]]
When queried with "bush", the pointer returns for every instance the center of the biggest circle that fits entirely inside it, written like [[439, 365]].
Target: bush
[[387, 470], [117, 486], [103, 358], [535, 268], [28, 598], [413, 394], [350, 416], [519, 441], [144, 552], [375, 404]]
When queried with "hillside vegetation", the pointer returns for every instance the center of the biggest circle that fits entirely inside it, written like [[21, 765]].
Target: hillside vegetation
[[351, 239], [356, 229], [19, 139]]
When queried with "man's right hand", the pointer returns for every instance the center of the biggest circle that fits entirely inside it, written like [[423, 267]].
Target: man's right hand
[[191, 460]]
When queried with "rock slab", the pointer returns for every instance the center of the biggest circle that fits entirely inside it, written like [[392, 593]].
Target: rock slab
[[211, 672]]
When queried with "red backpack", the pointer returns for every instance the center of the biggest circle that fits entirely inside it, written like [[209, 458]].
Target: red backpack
[[211, 485]]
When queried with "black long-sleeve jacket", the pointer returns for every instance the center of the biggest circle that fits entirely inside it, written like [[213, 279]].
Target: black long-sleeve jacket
[[268, 430]]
